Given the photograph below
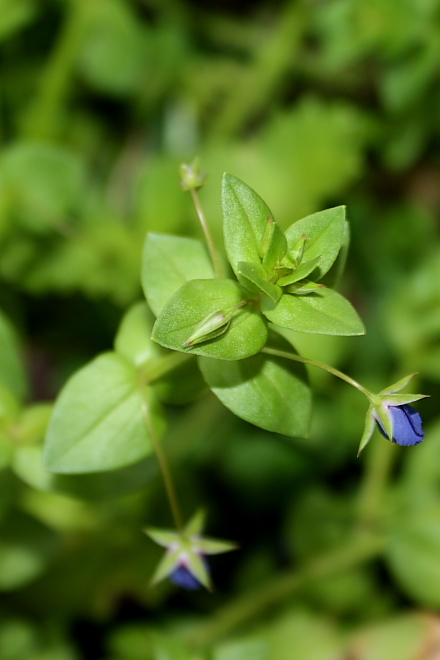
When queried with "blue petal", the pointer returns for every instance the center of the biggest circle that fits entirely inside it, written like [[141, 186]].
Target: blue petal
[[407, 425], [182, 577]]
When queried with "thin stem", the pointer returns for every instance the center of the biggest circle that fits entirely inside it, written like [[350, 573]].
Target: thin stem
[[319, 365], [164, 468], [211, 247], [251, 605]]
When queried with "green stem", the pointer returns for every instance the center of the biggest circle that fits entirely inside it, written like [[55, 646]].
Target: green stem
[[164, 468], [249, 606], [44, 119], [320, 365], [211, 247]]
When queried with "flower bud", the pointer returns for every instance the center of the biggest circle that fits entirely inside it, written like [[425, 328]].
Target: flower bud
[[212, 326], [191, 176]]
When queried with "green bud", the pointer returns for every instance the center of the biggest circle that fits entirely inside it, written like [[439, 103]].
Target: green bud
[[273, 245], [213, 325], [295, 255], [191, 176], [304, 287]]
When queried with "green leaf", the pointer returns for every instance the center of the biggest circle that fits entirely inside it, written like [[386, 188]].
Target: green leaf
[[304, 269], [133, 340], [99, 421], [326, 313], [268, 391], [197, 299], [324, 231], [273, 246], [163, 537], [254, 278], [168, 263], [245, 217]]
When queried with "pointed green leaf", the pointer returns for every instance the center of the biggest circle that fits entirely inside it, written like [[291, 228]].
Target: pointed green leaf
[[257, 276], [197, 567], [168, 262], [396, 387], [245, 218], [274, 245], [195, 525], [163, 537], [384, 416], [401, 399], [99, 419], [326, 313], [368, 430], [268, 391], [324, 231], [304, 269], [166, 566], [188, 307], [214, 546], [133, 340], [332, 276]]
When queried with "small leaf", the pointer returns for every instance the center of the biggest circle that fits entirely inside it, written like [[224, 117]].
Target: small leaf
[[162, 537], [267, 391], [326, 313], [245, 217], [324, 231], [368, 429], [300, 273], [168, 262], [196, 524], [254, 278], [273, 246], [396, 387], [197, 299], [99, 419], [133, 339]]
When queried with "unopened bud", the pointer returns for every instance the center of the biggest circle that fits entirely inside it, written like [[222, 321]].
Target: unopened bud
[[191, 176], [212, 326]]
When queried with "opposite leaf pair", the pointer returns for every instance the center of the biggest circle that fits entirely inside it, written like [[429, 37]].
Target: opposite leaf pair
[[278, 281]]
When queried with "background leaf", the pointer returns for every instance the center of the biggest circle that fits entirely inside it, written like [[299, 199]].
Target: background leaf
[[98, 421], [169, 262]]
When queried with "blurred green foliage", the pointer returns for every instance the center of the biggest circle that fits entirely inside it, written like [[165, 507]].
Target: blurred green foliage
[[312, 103]]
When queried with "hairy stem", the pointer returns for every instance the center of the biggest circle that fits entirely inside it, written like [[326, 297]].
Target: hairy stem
[[211, 247], [164, 468]]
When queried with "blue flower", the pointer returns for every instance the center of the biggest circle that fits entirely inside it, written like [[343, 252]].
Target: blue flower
[[395, 418], [407, 425], [182, 577], [184, 561]]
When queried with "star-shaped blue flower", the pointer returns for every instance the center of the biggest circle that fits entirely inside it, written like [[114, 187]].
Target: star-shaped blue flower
[[184, 560]]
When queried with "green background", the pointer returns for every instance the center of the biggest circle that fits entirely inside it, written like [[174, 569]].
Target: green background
[[312, 104]]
